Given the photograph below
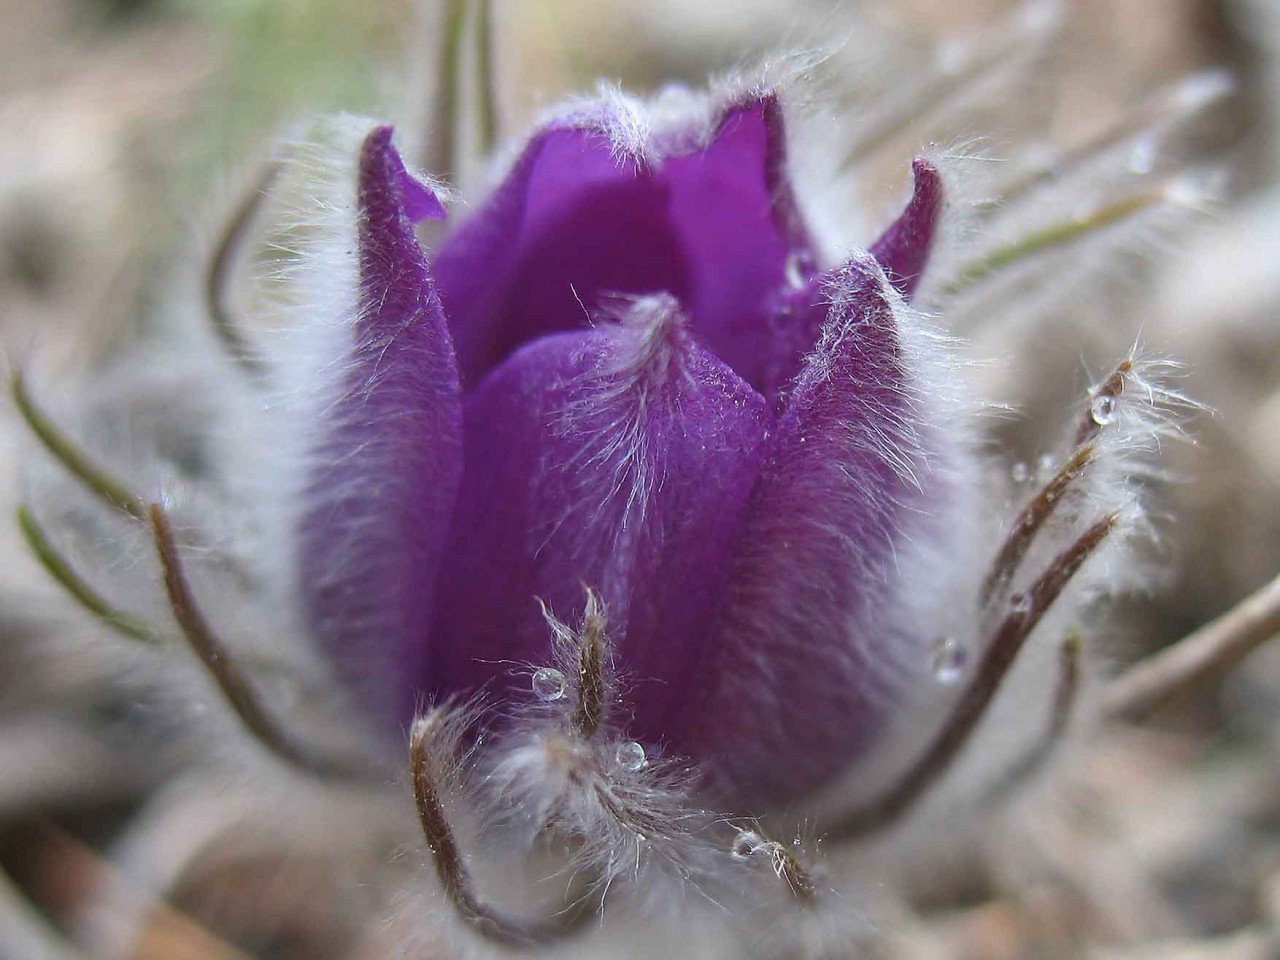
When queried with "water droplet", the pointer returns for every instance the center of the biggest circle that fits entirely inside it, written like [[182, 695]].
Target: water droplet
[[948, 660], [1142, 158], [1046, 467], [1021, 602], [798, 268], [747, 843], [1020, 472], [630, 756], [549, 684], [1104, 409]]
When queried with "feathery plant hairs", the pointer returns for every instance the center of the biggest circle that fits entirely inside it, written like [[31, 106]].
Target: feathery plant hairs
[[648, 506]]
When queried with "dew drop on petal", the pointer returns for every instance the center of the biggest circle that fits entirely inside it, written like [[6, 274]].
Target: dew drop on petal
[[948, 660], [799, 268], [549, 684], [630, 756], [1104, 409], [746, 844], [1020, 472]]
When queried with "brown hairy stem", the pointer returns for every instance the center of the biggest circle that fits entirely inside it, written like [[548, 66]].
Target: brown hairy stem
[[1031, 519], [217, 278], [783, 861], [451, 870], [1113, 386], [998, 658], [233, 684], [1208, 652], [589, 711], [788, 868]]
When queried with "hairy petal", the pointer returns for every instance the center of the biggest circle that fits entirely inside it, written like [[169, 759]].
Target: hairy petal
[[386, 471], [903, 249], [617, 458], [799, 310], [704, 215], [800, 684]]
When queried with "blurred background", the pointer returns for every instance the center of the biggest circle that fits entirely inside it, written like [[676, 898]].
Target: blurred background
[[128, 126]]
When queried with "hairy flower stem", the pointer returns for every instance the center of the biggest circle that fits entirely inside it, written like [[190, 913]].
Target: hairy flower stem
[[589, 711], [786, 866], [972, 706], [226, 674], [1036, 513], [57, 566], [1208, 652], [1031, 519], [1054, 235], [1112, 387], [447, 857], [106, 487], [222, 263]]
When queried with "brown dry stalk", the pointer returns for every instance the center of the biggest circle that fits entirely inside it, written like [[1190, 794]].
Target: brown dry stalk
[[972, 706], [1210, 651], [223, 669]]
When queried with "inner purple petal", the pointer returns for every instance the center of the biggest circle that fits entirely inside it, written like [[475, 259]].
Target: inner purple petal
[[575, 223]]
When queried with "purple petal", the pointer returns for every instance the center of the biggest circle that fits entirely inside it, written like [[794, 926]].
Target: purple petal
[[578, 219], [801, 681], [617, 458], [798, 311], [380, 498], [903, 250]]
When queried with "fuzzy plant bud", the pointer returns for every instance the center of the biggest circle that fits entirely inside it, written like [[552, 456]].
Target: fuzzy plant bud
[[632, 368]]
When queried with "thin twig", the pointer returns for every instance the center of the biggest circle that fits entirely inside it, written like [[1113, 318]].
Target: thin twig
[[226, 674], [222, 263], [1065, 695], [1031, 519], [1054, 235], [976, 698], [447, 857], [106, 487], [1208, 652], [57, 566]]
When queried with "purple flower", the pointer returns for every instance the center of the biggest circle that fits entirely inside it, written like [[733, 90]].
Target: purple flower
[[627, 370]]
